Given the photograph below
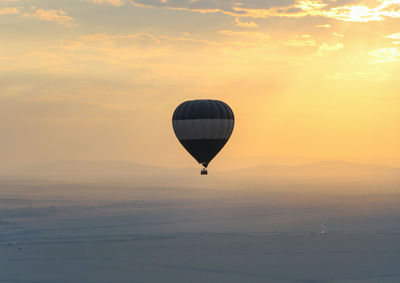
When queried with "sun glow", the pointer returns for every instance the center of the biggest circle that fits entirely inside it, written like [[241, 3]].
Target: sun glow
[[362, 14], [356, 14]]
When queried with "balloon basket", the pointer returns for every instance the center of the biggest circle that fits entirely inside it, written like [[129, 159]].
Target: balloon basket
[[204, 171]]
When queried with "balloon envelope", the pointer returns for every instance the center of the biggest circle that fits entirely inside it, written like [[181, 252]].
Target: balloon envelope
[[203, 127]]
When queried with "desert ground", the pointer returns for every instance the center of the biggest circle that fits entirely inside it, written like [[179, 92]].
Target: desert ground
[[87, 232]]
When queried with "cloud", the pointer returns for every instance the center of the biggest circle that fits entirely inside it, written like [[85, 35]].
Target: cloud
[[58, 16], [249, 24], [385, 55], [300, 8], [142, 39], [9, 11], [304, 40], [327, 47], [356, 14], [166, 55], [395, 37], [116, 3], [211, 5], [338, 34], [323, 26], [351, 13]]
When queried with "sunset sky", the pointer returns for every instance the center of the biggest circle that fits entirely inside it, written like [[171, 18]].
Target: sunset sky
[[100, 79]]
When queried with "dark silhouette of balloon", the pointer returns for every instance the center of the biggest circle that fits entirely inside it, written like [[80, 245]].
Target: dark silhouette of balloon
[[203, 127]]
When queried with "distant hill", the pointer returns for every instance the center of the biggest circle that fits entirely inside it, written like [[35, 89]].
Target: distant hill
[[337, 171]]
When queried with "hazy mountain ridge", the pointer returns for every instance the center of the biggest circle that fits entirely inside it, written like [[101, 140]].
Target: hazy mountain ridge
[[124, 170], [79, 167]]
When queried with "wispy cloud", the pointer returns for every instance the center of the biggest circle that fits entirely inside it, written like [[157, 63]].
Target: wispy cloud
[[323, 26], [249, 24], [385, 55], [395, 37], [116, 3], [9, 11], [58, 16], [338, 34], [334, 47], [302, 41]]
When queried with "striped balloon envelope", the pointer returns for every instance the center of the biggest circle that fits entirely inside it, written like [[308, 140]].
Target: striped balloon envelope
[[203, 127]]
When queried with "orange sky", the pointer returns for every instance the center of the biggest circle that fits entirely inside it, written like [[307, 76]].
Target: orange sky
[[99, 80]]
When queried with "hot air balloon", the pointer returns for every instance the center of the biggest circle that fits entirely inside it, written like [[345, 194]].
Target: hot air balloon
[[203, 127]]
